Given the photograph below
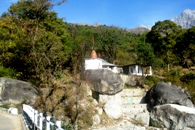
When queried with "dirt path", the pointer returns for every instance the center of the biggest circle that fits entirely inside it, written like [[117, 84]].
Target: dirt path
[[10, 122]]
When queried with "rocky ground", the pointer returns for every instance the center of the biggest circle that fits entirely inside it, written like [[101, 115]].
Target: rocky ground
[[102, 104]]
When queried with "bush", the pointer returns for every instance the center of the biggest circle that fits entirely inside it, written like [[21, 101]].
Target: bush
[[151, 80], [5, 105], [7, 72], [174, 76], [158, 63], [189, 81], [188, 78], [67, 125]]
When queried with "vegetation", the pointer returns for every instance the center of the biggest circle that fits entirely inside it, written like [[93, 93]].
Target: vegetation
[[39, 47], [7, 72]]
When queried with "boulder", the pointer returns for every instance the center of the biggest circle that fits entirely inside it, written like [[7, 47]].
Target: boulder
[[112, 105], [16, 91], [104, 81], [163, 93], [144, 118], [124, 77], [173, 117], [130, 80]]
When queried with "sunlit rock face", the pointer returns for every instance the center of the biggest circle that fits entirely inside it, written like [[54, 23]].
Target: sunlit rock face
[[16, 91], [173, 117], [164, 93], [104, 81]]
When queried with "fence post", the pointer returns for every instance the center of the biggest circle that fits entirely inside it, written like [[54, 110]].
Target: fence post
[[36, 118], [23, 107], [58, 123], [32, 114], [47, 123], [41, 121]]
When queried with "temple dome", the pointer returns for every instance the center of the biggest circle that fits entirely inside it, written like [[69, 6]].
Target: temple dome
[[93, 54]]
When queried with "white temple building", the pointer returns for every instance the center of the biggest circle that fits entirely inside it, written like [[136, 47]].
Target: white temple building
[[95, 62]]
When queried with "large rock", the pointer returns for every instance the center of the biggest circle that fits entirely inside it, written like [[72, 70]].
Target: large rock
[[104, 81], [112, 105], [130, 80], [173, 117], [163, 93], [16, 91], [144, 118]]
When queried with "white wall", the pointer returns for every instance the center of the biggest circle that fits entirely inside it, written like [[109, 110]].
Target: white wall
[[137, 70], [93, 64]]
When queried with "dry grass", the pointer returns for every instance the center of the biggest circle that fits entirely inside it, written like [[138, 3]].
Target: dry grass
[[137, 122], [69, 100]]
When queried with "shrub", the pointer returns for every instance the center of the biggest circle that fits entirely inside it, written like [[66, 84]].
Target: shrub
[[7, 72], [67, 125], [174, 76], [151, 80], [187, 78], [5, 105], [189, 81]]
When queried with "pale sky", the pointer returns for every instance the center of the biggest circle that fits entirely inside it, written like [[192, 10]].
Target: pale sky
[[120, 13]]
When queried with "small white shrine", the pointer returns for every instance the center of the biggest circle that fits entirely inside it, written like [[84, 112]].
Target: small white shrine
[[95, 62]]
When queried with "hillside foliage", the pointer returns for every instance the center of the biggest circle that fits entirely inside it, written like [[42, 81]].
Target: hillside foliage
[[39, 47]]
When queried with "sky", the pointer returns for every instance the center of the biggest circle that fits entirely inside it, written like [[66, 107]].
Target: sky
[[125, 14]]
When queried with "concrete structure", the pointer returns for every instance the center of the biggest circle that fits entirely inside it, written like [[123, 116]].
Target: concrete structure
[[13, 111], [133, 105], [95, 62], [135, 69]]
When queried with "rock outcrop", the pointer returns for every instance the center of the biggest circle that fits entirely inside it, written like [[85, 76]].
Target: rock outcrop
[[104, 81], [186, 19], [139, 30], [16, 91], [173, 117], [112, 105], [163, 93], [130, 80]]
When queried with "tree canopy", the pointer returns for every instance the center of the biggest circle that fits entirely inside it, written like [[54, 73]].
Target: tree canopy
[[35, 41]]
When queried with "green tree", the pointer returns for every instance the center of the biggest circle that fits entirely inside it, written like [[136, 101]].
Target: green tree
[[163, 39], [185, 47], [40, 43], [8, 37], [108, 40], [44, 37], [145, 54]]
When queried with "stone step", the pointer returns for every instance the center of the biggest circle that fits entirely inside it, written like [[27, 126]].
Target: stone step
[[133, 92], [132, 100], [134, 108], [143, 118]]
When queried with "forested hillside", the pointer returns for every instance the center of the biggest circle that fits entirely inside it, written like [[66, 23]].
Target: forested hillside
[[37, 46]]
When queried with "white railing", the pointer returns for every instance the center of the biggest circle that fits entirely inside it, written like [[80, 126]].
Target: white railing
[[35, 119]]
